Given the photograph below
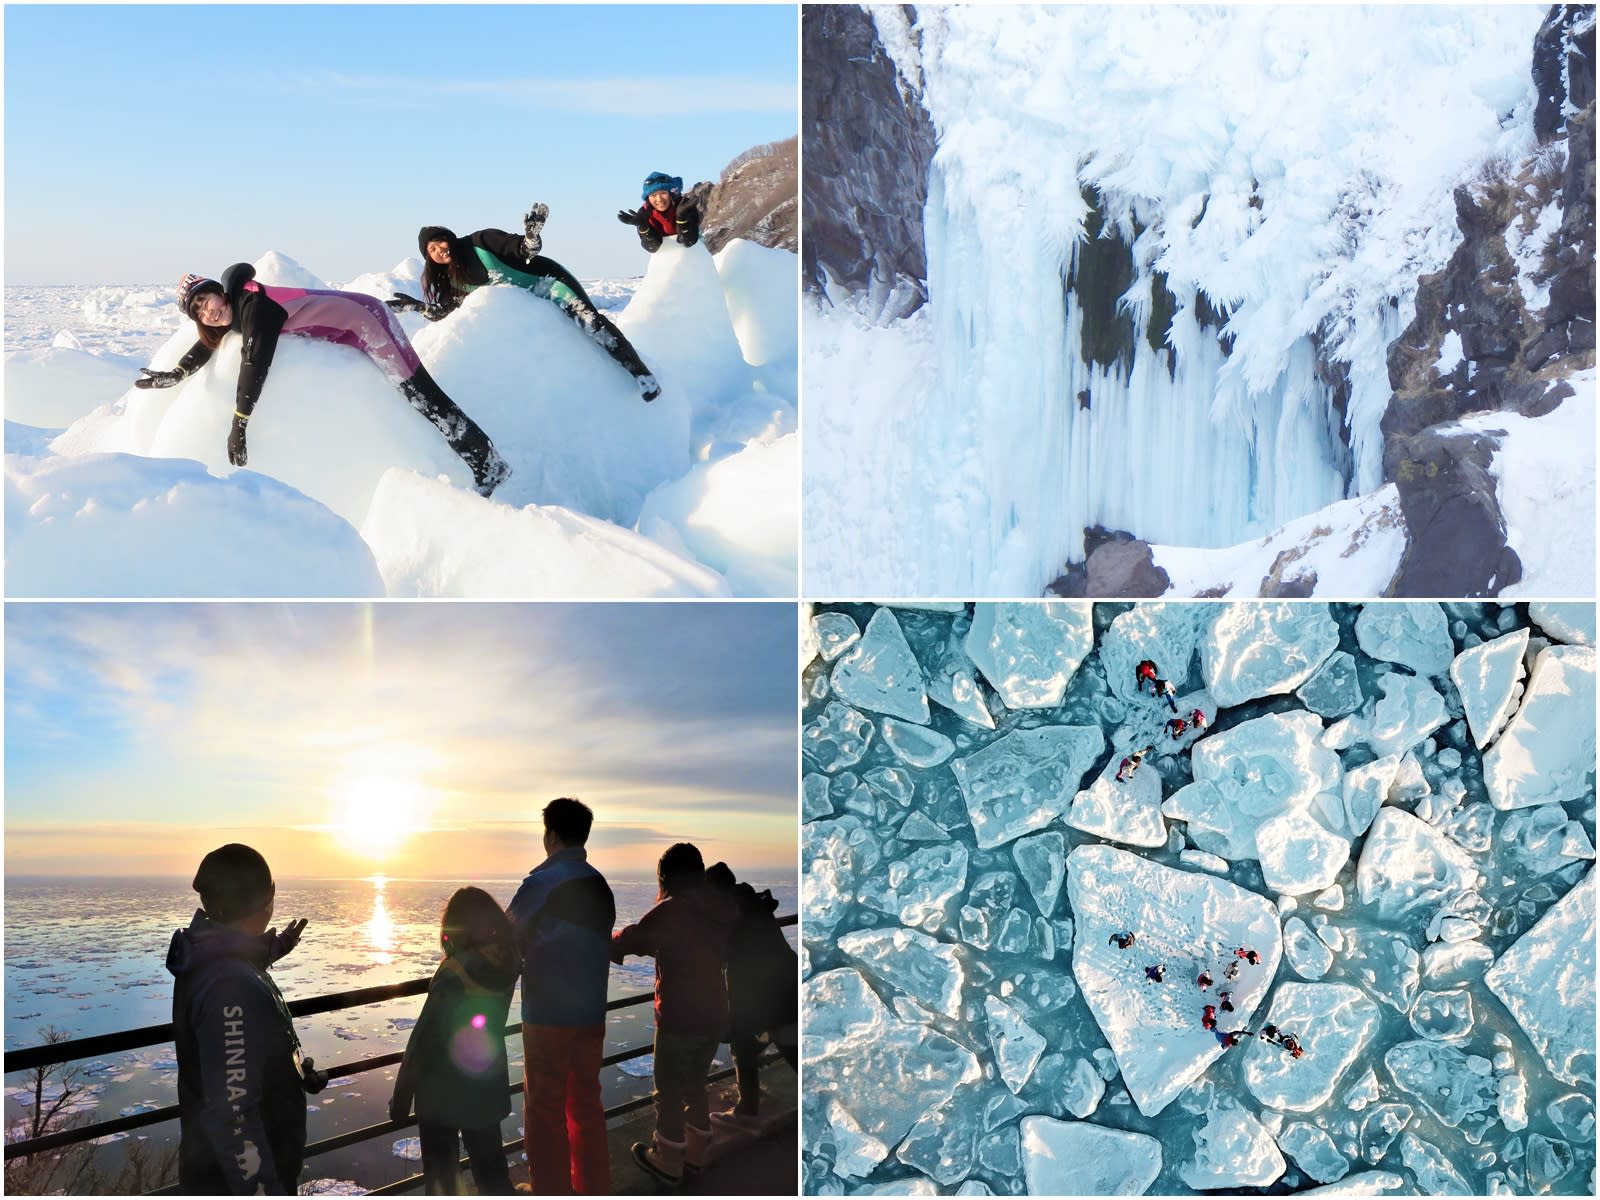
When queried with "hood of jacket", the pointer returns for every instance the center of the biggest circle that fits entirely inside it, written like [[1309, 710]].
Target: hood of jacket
[[206, 941], [490, 967]]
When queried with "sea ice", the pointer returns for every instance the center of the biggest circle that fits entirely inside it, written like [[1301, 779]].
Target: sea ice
[[1306, 952], [1297, 854], [1457, 1088], [1488, 678], [1263, 649], [1547, 752], [1232, 1150], [1569, 621], [835, 633], [1165, 634], [1075, 1158], [916, 745], [1024, 780], [1413, 634], [1547, 982], [1183, 920], [1407, 868], [1128, 811], [1041, 858], [1313, 1152], [1029, 652], [1333, 1023], [850, 1037], [1408, 712], [838, 739], [1335, 689], [917, 888], [880, 673], [1017, 1046], [922, 967]]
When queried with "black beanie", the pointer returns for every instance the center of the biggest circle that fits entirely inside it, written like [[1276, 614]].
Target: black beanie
[[233, 881]]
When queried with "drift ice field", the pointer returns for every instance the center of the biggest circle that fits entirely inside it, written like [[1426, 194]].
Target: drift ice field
[[112, 491], [1170, 256], [1391, 804]]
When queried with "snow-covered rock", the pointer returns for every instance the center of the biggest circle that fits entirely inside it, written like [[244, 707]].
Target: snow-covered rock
[[1187, 922], [1547, 752], [1075, 1158], [1025, 780], [850, 1036], [1488, 678], [1547, 983], [1333, 1023], [1029, 652], [1264, 649]]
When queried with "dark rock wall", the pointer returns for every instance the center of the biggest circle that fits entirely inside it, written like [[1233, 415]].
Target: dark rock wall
[[867, 151]]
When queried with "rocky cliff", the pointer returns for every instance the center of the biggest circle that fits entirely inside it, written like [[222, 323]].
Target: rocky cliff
[[757, 198]]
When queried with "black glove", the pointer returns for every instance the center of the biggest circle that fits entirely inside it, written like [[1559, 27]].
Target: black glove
[[158, 379], [650, 238], [633, 216], [281, 943], [404, 303], [236, 447], [436, 312], [532, 227], [312, 1079], [688, 223]]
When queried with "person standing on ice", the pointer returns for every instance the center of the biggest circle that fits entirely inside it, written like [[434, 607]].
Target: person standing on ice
[[1176, 727], [1144, 673], [1203, 980], [452, 267], [261, 313], [1129, 765], [1250, 956], [1167, 692], [1121, 940], [1208, 1019], [1156, 973], [664, 213], [1197, 719]]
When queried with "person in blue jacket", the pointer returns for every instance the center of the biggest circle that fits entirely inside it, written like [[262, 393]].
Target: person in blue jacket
[[563, 913], [242, 1080]]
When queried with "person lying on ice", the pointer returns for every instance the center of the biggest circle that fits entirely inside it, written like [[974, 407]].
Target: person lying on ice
[[261, 313], [453, 266], [664, 213]]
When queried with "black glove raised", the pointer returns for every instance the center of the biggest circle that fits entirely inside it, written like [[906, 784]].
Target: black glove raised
[[633, 216], [404, 303], [688, 223], [237, 452], [158, 379]]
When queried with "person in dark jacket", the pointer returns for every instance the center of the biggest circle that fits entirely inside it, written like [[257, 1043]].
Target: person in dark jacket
[[763, 1006], [455, 1063], [563, 914], [453, 267], [664, 213], [242, 1080], [687, 934], [260, 313]]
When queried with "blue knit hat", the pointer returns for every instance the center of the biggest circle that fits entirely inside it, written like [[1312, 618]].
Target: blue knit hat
[[660, 181]]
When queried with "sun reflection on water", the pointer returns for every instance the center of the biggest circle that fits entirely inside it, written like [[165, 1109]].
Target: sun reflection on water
[[380, 926]]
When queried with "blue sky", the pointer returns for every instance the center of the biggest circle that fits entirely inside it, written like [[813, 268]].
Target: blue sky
[[352, 737], [145, 141]]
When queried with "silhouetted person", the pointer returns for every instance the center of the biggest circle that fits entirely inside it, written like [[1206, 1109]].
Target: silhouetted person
[[563, 914], [242, 1081]]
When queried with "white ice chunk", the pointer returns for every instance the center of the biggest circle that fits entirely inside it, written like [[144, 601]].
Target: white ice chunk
[[923, 967], [1569, 621], [1202, 861], [880, 672], [1024, 780], [916, 745], [1408, 868], [1264, 649], [1364, 791], [1313, 1152], [1298, 855], [1307, 953], [1547, 753], [1408, 712], [1127, 812], [1029, 652], [1041, 859], [1076, 1158], [917, 888], [1333, 1023], [1488, 678], [1232, 1150], [1017, 1046], [1413, 634], [1165, 634], [1183, 920], [1363, 1183], [835, 633], [1547, 982]]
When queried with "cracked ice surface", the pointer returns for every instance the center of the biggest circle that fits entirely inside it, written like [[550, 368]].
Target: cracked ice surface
[[1547, 752], [1256, 650], [1029, 652], [1430, 940]]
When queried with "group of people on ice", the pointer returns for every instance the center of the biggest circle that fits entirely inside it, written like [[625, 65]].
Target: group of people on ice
[[453, 267], [1157, 973], [1162, 689], [724, 972]]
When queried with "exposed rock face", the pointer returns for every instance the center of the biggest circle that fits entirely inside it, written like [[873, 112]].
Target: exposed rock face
[[1456, 536], [1494, 331], [757, 198], [1126, 569], [867, 149]]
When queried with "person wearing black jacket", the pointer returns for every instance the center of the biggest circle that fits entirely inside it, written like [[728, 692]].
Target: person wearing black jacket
[[664, 213], [242, 1080], [261, 313], [454, 266]]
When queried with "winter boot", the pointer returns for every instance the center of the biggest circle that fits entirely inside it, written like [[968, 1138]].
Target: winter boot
[[696, 1148], [661, 1157], [489, 469], [610, 339]]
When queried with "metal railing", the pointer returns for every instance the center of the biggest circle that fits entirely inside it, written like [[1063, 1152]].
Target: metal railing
[[56, 1053]]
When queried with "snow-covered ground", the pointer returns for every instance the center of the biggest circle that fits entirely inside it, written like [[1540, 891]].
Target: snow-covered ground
[[112, 491], [1287, 173], [1392, 804]]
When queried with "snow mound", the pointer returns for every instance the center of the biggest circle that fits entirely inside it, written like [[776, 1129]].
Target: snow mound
[[1185, 921], [129, 525], [431, 539], [52, 386], [1547, 753], [762, 288], [1546, 981], [1075, 1158], [1333, 1023]]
